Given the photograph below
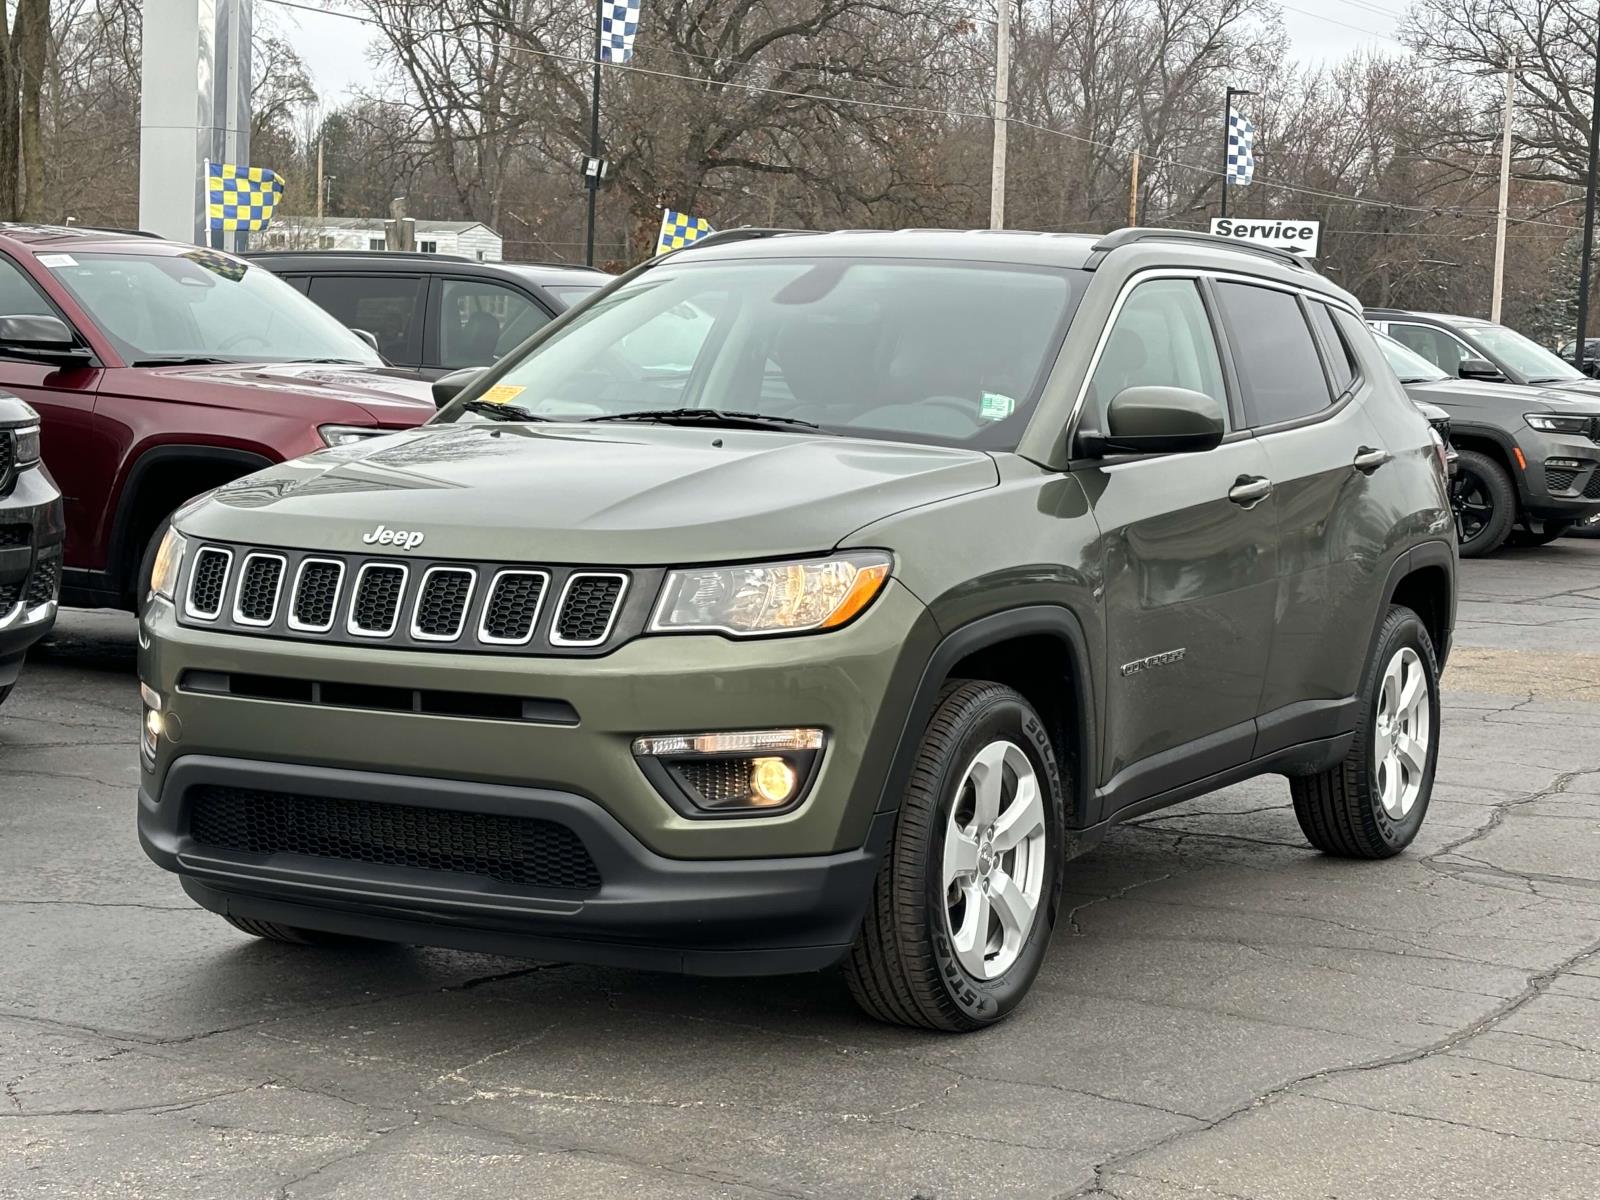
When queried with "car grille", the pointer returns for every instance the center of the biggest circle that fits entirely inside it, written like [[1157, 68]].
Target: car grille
[[8, 457], [356, 600], [45, 583], [12, 536], [1591, 490], [1559, 479], [9, 593], [524, 851]]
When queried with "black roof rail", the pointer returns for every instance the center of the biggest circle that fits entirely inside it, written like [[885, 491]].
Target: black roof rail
[[334, 252], [741, 233], [1135, 235]]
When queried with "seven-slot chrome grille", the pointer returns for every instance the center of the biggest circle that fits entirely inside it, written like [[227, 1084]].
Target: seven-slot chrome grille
[[413, 603]]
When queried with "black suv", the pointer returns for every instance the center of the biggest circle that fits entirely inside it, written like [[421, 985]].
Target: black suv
[[813, 598], [435, 313], [31, 531], [1528, 465]]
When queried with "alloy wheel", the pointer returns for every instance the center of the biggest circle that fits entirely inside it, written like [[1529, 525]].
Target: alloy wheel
[[1473, 505], [994, 859], [1402, 733]]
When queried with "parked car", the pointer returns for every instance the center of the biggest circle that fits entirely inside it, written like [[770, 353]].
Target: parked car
[[161, 370], [1591, 355], [435, 313], [31, 529], [826, 628], [1439, 421], [1468, 348], [1528, 465]]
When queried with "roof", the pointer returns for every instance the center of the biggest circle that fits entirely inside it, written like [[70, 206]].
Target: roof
[[421, 224], [49, 237], [413, 261], [1441, 318]]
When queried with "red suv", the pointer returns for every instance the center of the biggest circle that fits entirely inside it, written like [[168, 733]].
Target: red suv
[[162, 370]]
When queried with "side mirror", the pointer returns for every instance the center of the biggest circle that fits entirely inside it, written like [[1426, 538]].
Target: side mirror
[[1480, 369], [1160, 420], [38, 337], [367, 336], [447, 387]]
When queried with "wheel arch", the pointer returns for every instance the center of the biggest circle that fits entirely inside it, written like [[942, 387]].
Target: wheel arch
[[1040, 651], [1423, 580], [156, 484], [1496, 444]]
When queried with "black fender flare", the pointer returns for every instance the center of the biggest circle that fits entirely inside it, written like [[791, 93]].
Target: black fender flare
[[1044, 619], [1424, 554], [1507, 444], [138, 477]]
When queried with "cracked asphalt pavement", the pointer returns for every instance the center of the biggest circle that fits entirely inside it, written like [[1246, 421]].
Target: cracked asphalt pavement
[[1224, 1013]]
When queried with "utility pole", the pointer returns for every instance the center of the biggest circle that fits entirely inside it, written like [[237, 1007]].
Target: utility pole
[[1227, 132], [591, 175], [1002, 102], [1505, 194], [1133, 191], [1588, 210], [321, 187]]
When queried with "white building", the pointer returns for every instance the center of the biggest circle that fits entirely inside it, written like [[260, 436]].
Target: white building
[[470, 239]]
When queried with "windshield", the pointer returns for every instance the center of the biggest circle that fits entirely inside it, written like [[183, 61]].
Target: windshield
[[1410, 366], [203, 304], [571, 293], [949, 354], [1523, 355]]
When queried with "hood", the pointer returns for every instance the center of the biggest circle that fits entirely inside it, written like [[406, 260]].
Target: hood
[[388, 395], [1464, 395], [639, 495], [1577, 387]]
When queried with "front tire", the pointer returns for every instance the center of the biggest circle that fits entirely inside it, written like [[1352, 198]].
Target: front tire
[[966, 896], [1371, 805], [1485, 504]]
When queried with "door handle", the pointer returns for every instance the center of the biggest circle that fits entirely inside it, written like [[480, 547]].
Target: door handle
[[1249, 490], [1369, 460]]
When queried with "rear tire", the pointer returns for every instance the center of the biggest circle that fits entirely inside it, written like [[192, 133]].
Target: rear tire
[[1371, 804], [291, 935], [967, 894]]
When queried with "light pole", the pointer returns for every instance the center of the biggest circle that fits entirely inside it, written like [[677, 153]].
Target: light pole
[[1588, 209], [1505, 194], [1002, 103], [1227, 133]]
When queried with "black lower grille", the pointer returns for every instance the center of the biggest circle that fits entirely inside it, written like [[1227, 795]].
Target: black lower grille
[[14, 535], [1591, 490], [524, 851], [8, 596], [1559, 479], [45, 582]]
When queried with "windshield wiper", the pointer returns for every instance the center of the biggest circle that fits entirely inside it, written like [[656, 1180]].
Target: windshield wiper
[[501, 412], [711, 416], [180, 360], [1557, 379], [345, 362]]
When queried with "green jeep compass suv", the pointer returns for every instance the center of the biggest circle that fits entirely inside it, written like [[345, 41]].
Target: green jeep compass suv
[[809, 598]]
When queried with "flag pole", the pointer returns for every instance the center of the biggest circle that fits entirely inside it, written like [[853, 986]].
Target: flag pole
[[1227, 132], [591, 176]]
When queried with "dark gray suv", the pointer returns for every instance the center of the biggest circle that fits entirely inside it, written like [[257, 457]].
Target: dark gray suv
[[813, 598], [1528, 466]]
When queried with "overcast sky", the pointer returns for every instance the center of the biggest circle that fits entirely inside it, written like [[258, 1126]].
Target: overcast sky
[[335, 48]]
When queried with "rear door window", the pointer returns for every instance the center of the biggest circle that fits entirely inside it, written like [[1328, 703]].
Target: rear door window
[[1280, 371], [1342, 369], [387, 306]]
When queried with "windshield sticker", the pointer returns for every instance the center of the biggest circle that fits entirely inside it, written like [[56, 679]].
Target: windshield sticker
[[502, 393], [222, 265], [57, 260], [996, 407]]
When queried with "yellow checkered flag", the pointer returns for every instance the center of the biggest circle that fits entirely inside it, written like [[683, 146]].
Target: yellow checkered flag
[[679, 230], [241, 197]]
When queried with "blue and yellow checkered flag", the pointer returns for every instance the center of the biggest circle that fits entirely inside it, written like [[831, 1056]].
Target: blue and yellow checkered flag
[[241, 198], [679, 230]]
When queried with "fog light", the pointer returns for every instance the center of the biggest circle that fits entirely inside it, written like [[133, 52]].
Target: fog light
[[731, 774], [1565, 464], [153, 722], [772, 781]]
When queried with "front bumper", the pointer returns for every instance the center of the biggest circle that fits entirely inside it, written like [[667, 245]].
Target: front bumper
[[1561, 481], [743, 917], [34, 504]]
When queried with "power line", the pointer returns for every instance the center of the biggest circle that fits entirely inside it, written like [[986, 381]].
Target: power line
[[888, 106]]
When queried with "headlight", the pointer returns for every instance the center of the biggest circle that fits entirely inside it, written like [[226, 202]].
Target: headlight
[[27, 445], [768, 598], [343, 435], [1554, 424], [169, 561]]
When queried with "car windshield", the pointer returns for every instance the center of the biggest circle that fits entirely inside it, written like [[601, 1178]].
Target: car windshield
[[1524, 355], [203, 305], [924, 351], [570, 293], [1410, 366]]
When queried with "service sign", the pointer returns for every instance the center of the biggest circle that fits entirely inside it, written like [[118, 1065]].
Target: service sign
[[1297, 237]]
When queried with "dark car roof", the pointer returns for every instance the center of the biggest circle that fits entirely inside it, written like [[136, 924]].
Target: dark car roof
[[543, 274], [82, 237], [1383, 314]]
